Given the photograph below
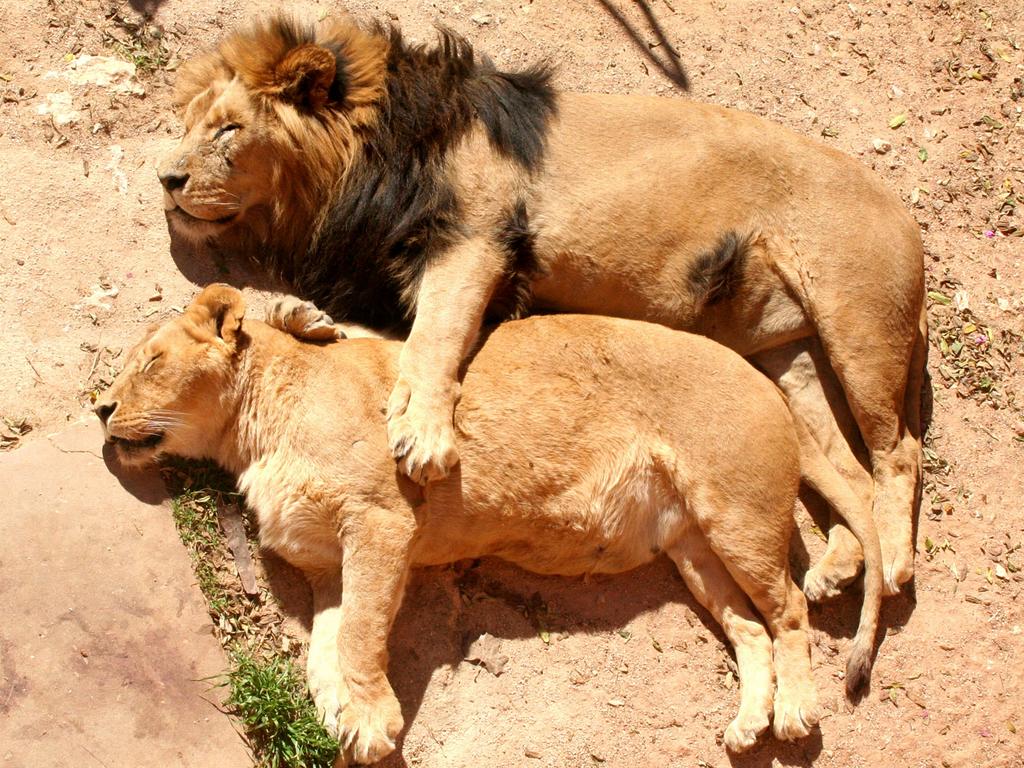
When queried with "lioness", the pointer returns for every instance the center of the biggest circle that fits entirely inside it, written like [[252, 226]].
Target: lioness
[[391, 183], [589, 445]]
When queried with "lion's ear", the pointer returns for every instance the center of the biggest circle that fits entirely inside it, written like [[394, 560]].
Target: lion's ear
[[305, 75], [219, 308]]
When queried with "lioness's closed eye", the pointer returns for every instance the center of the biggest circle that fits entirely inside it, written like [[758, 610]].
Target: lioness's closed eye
[[582, 452]]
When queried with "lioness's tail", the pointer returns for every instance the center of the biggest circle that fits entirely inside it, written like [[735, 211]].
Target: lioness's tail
[[819, 474]]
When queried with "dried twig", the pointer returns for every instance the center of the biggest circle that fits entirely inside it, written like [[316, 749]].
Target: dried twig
[[36, 372]]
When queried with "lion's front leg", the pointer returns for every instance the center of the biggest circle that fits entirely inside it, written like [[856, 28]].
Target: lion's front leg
[[348, 657], [453, 294]]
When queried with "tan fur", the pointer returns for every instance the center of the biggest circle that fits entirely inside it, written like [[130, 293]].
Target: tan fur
[[629, 194], [589, 445]]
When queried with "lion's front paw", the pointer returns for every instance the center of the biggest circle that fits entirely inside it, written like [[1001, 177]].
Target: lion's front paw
[[366, 728], [421, 435], [302, 319]]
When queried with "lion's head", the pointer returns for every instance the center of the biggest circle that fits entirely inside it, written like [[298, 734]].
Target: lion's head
[[169, 398], [325, 154], [271, 117]]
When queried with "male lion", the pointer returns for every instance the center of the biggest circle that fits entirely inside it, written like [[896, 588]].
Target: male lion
[[589, 445], [393, 183]]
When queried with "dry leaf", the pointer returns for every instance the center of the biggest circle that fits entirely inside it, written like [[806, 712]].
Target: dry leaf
[[234, 532], [486, 651]]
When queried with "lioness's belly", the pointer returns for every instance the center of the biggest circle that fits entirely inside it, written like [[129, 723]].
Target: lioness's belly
[[618, 518]]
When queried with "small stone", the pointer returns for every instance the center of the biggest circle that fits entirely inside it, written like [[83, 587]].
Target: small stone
[[532, 752], [616, 703], [881, 146], [578, 678], [482, 19]]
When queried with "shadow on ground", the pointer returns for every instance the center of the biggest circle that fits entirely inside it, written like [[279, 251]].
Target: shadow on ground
[[446, 608]]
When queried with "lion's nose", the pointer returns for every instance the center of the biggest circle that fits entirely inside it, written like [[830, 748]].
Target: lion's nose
[[173, 180], [105, 411]]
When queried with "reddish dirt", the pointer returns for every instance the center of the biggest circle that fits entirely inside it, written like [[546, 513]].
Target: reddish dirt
[[628, 672]]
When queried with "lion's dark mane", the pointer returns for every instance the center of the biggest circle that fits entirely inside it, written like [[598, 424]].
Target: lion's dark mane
[[396, 209]]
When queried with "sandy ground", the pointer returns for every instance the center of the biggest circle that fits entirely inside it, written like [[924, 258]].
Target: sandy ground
[[110, 662], [619, 671]]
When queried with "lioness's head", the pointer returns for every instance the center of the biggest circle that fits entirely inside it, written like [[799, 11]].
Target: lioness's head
[[270, 118], [171, 396]]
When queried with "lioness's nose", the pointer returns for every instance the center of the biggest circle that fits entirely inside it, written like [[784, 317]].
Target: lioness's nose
[[173, 180], [105, 411]]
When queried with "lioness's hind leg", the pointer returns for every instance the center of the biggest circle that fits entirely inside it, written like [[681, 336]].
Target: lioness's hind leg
[[716, 590], [796, 700], [302, 319], [753, 545]]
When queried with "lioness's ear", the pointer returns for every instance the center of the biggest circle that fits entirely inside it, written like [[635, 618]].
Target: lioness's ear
[[220, 308], [304, 76]]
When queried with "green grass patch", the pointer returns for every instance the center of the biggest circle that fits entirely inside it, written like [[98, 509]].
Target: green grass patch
[[266, 690], [269, 697]]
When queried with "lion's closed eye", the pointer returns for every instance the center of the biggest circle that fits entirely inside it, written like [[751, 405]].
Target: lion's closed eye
[[226, 130], [149, 363]]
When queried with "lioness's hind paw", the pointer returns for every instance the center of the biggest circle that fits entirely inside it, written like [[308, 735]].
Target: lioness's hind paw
[[795, 720], [829, 577], [898, 569]]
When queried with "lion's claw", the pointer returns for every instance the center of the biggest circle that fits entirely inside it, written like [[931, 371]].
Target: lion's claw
[[420, 435]]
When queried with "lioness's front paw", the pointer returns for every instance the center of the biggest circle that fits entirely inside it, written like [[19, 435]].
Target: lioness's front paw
[[366, 730], [742, 732], [302, 319], [421, 435]]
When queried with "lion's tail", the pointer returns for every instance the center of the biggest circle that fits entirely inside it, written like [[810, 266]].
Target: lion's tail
[[817, 471]]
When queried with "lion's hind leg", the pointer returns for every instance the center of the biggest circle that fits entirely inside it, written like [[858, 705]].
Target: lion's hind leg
[[873, 332], [816, 398], [876, 389], [716, 590]]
